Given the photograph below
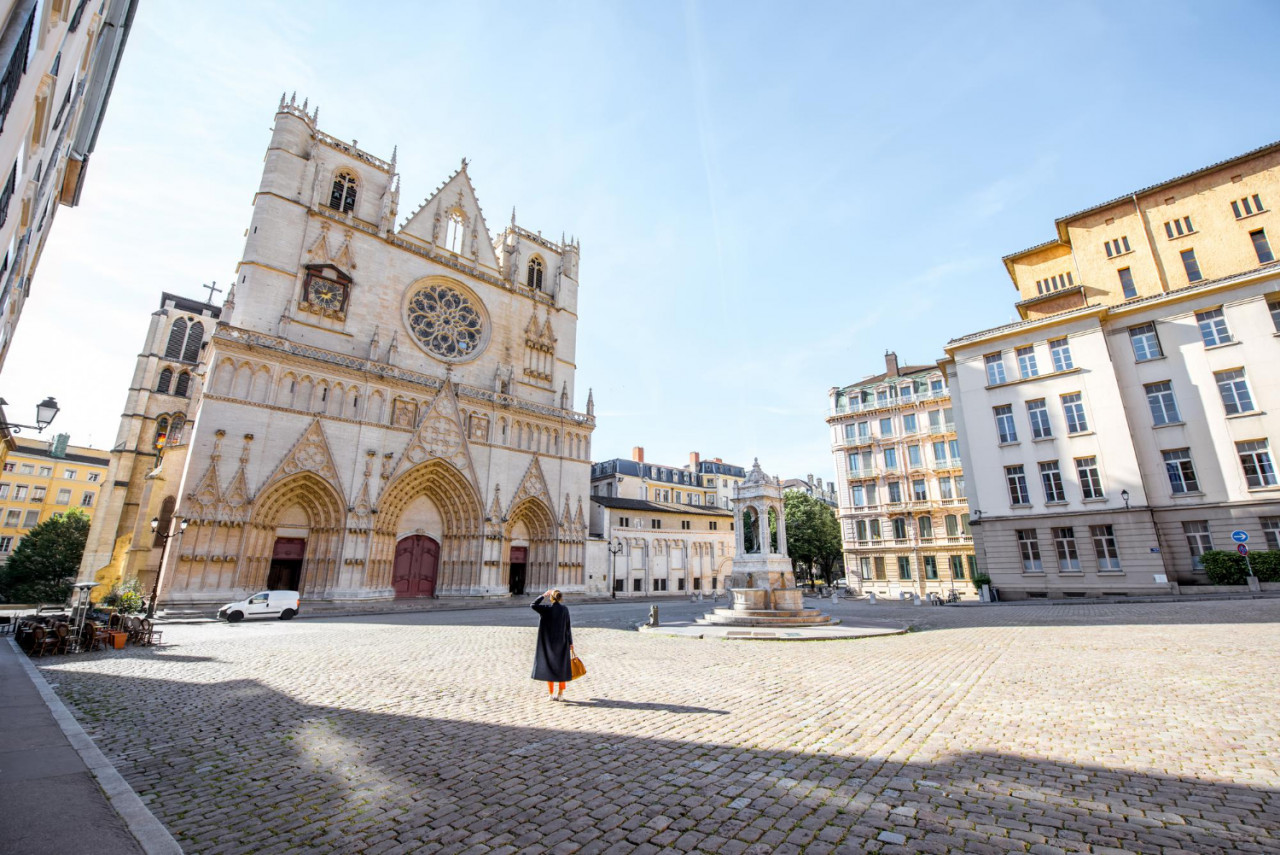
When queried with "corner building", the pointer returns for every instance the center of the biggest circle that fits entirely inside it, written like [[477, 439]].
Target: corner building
[[904, 518], [1123, 426], [388, 411]]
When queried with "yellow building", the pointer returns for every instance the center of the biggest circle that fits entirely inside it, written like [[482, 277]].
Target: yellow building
[[41, 479]]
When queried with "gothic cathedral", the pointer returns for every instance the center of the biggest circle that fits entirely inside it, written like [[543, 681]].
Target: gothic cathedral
[[387, 413]]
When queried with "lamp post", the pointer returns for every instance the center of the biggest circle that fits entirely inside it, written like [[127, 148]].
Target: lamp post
[[46, 411], [1124, 496], [614, 549], [164, 551]]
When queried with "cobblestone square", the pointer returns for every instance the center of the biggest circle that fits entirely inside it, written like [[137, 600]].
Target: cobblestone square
[[1043, 729]]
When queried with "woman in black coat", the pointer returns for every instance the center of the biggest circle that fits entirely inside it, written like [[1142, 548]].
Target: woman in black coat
[[555, 643]]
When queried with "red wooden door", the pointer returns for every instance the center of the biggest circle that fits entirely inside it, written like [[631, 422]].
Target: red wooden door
[[417, 559]]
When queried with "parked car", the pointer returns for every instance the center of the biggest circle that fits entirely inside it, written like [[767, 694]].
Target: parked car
[[277, 604]]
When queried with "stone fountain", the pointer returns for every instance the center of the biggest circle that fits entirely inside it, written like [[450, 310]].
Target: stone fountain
[[762, 585]]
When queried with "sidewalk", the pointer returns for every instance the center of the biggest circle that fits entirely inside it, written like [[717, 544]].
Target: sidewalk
[[59, 793]]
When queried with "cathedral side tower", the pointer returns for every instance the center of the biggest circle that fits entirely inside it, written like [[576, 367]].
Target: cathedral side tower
[[390, 410]]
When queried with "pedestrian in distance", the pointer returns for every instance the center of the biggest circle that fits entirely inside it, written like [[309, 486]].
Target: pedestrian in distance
[[551, 660]]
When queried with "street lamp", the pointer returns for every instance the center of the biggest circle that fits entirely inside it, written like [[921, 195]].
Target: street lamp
[[1124, 496], [164, 549], [614, 549], [46, 411]]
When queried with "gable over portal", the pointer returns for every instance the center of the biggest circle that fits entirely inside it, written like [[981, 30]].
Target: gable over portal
[[451, 218]]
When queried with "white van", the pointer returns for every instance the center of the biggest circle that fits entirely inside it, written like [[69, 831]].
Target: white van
[[276, 604]]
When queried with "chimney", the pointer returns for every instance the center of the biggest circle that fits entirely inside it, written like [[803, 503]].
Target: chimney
[[637, 453], [718, 460], [891, 363], [694, 460]]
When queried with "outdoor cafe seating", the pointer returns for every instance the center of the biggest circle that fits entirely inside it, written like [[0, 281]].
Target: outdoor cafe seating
[[46, 635]]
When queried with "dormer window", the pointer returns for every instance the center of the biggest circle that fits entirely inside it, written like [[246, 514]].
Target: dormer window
[[535, 274], [343, 195]]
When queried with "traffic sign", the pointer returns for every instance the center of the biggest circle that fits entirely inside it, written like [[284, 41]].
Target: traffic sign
[[1240, 536], [1242, 549]]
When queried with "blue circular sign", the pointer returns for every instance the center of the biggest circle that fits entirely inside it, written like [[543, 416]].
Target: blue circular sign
[[1240, 536]]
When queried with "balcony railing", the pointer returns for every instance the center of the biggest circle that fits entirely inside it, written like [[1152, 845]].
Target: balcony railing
[[899, 401]]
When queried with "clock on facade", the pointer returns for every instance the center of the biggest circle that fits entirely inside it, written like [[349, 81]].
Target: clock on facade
[[325, 294], [325, 290]]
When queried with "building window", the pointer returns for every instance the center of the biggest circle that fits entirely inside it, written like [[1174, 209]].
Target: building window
[[12, 518], [1255, 459], [1029, 547], [4, 490], [944, 488], [86, 500], [1017, 480], [1146, 345], [904, 568], [1199, 541], [20, 493], [635, 585], [1090, 481], [1246, 206], [914, 460], [1054, 283], [886, 427], [1073, 409], [957, 566], [64, 497], [930, 567], [6, 545], [195, 337], [177, 336], [1261, 247], [860, 529], [93, 477], [1060, 350], [1104, 546], [919, 492], [952, 525], [878, 562], [37, 494], [1234, 391], [1119, 246], [891, 459], [1005, 429], [182, 389], [166, 379], [899, 528], [534, 274], [46, 471], [1038, 415], [1064, 543], [342, 196], [684, 525], [31, 519], [713, 525], [874, 525], [1271, 531], [1164, 407], [1178, 228], [940, 452], [995, 369], [909, 423], [1181, 472], [1192, 266], [69, 474], [1213, 327], [659, 584], [655, 523], [1126, 283], [1027, 362], [1051, 479], [925, 526]]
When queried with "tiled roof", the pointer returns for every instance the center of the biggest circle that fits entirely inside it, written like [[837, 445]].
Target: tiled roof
[[622, 504]]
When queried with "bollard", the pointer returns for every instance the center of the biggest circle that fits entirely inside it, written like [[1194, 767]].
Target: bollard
[[653, 616], [872, 595], [835, 596], [915, 599]]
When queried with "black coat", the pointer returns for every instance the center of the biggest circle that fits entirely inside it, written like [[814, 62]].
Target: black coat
[[555, 637]]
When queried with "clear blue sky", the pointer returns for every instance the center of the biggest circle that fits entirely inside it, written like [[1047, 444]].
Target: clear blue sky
[[768, 195]]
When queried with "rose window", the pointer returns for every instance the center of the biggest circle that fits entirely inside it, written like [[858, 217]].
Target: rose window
[[445, 322]]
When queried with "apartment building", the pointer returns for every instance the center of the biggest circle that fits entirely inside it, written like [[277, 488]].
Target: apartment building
[[700, 482], [904, 518], [43, 478], [58, 61], [1122, 427], [662, 547]]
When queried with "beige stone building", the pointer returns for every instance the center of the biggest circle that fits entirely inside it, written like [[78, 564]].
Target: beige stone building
[[150, 452], [903, 512], [708, 483], [1124, 425], [662, 547], [58, 61], [388, 411]]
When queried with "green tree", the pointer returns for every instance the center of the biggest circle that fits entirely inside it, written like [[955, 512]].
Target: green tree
[[813, 535], [45, 562]]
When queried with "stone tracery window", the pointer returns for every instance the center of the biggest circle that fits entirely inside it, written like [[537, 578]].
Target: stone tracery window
[[195, 337], [182, 389], [166, 378], [445, 322], [342, 197], [535, 274], [177, 336], [454, 231]]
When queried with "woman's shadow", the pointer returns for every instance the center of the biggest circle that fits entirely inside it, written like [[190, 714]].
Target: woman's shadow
[[607, 703]]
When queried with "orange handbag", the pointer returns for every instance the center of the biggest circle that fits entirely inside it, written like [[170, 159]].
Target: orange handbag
[[576, 668]]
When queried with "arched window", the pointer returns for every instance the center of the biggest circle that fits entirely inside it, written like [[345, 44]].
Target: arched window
[[177, 335], [184, 383], [166, 377], [191, 352], [343, 195], [162, 432], [535, 273], [453, 231], [773, 530], [175, 429]]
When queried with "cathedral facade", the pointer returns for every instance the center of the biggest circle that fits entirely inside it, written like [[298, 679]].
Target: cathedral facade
[[387, 412]]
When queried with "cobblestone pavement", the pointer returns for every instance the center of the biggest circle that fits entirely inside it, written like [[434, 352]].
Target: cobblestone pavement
[[1044, 729]]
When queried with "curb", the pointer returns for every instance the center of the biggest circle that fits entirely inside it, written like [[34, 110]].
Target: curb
[[154, 838]]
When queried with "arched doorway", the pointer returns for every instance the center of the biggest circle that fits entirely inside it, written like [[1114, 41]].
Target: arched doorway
[[531, 533], [416, 565], [285, 572], [451, 515], [518, 570]]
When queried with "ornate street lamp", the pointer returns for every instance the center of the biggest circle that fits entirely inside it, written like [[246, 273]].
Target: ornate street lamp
[[614, 549], [164, 550], [46, 411]]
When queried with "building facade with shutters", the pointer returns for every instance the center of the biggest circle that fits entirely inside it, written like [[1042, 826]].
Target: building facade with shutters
[[662, 547], [388, 409], [150, 451], [42, 478], [1124, 425], [58, 61], [903, 512]]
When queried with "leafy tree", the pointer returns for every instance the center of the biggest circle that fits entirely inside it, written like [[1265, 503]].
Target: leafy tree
[[45, 562], [813, 535]]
